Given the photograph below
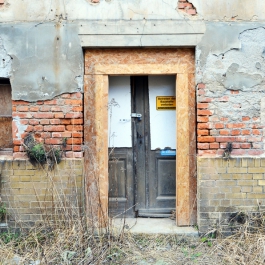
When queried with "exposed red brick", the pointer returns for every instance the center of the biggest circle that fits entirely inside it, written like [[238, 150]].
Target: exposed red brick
[[245, 132], [203, 145], [51, 102], [206, 139], [204, 126], [45, 108], [245, 118], [77, 95], [204, 112], [19, 102], [214, 145], [66, 95], [22, 108], [224, 132], [235, 132], [74, 128], [255, 152], [77, 108], [65, 121], [29, 128], [53, 141], [43, 115], [202, 119], [256, 132], [234, 92], [235, 125], [77, 121], [22, 115], [202, 105], [206, 152], [44, 121], [74, 115], [200, 85], [58, 128], [59, 115], [38, 128], [74, 141], [76, 147], [62, 134], [34, 108], [45, 135], [203, 132], [55, 121], [238, 152], [219, 126], [56, 109], [191, 11], [245, 145], [77, 134], [73, 101]]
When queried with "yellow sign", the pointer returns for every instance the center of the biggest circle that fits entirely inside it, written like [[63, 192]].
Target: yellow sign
[[165, 103]]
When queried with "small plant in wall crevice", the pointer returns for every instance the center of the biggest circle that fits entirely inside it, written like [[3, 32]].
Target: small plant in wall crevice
[[2, 211], [39, 153]]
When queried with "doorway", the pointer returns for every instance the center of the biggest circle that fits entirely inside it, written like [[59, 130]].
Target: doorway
[[142, 146], [99, 65]]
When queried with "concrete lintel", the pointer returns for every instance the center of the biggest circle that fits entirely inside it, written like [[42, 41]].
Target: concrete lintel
[[178, 40]]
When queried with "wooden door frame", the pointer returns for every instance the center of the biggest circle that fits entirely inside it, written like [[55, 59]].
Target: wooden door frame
[[185, 133]]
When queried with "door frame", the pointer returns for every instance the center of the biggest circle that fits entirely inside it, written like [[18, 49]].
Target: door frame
[[96, 136]]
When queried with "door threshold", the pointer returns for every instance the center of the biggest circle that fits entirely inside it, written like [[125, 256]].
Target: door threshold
[[151, 226]]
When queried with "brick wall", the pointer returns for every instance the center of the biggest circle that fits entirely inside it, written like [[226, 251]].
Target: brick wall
[[187, 7], [32, 193], [51, 121], [215, 130], [226, 187]]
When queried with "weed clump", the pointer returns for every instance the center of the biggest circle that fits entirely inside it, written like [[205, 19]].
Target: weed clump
[[38, 153]]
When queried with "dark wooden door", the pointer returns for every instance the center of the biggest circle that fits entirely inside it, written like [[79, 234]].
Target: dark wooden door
[[154, 170], [142, 182]]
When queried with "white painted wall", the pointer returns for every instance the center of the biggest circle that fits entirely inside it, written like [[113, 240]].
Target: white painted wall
[[162, 122], [120, 131]]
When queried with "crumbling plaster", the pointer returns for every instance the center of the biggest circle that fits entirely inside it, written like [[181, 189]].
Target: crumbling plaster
[[43, 56], [230, 58]]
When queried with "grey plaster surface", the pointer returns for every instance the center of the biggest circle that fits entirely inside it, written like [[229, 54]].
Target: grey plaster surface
[[47, 59], [151, 226]]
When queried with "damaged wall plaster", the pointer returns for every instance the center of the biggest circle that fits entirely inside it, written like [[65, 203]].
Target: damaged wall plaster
[[233, 65], [47, 52], [230, 10], [5, 61], [47, 62]]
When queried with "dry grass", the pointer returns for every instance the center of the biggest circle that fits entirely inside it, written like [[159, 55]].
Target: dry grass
[[67, 237], [75, 243]]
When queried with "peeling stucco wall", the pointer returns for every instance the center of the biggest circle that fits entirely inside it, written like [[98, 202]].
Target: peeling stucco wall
[[46, 59], [41, 51], [230, 65]]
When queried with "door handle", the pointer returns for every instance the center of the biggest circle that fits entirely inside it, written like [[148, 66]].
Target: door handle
[[137, 115]]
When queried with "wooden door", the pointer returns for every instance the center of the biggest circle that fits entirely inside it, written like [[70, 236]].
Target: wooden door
[[142, 182]]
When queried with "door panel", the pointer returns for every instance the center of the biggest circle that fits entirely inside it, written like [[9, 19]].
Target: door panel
[[121, 190]]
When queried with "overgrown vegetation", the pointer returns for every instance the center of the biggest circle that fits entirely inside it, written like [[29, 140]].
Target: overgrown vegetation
[[2, 211], [38, 153]]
